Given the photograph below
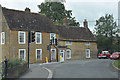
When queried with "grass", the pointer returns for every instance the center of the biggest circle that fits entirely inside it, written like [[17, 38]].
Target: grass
[[117, 64]]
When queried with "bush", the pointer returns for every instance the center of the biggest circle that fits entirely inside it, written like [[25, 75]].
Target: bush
[[13, 63]]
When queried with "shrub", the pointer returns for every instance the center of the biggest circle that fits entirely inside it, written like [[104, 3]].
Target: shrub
[[13, 63], [117, 64]]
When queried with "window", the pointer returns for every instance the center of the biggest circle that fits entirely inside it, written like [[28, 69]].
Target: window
[[68, 54], [68, 43], [53, 54], [87, 43], [87, 53], [51, 37], [22, 54], [38, 54], [38, 38], [21, 37], [2, 37]]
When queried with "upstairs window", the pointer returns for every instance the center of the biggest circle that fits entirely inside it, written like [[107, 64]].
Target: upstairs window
[[68, 43], [87, 43], [21, 37], [2, 37], [38, 38], [51, 37]]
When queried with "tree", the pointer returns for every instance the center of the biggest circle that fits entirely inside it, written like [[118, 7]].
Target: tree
[[105, 32], [56, 12]]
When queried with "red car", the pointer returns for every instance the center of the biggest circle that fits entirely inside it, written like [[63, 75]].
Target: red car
[[115, 55], [104, 54]]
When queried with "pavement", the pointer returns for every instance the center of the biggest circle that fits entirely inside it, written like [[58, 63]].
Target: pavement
[[38, 71]]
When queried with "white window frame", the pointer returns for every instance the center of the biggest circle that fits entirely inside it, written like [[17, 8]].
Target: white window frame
[[24, 54], [68, 42], [66, 54], [51, 53], [40, 54], [54, 37], [2, 37], [86, 53], [19, 37], [87, 43], [40, 37]]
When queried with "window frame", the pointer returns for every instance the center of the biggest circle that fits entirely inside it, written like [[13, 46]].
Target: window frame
[[70, 42], [40, 37], [19, 37], [54, 37], [40, 54], [24, 54], [2, 37], [69, 54], [51, 54]]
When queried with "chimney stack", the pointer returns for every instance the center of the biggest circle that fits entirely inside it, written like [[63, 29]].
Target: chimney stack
[[85, 23], [27, 9], [65, 22]]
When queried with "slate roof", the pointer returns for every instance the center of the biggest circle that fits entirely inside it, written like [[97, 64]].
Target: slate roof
[[75, 33], [21, 20]]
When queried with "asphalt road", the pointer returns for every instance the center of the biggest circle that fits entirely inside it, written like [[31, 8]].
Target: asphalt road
[[97, 68]]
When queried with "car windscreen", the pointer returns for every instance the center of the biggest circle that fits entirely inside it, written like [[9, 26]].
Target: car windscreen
[[115, 54]]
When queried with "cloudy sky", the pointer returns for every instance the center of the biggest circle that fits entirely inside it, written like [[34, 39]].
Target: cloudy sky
[[82, 9]]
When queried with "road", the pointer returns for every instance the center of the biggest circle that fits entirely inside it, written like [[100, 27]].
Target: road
[[89, 69]]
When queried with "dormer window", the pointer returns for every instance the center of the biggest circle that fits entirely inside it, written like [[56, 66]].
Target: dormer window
[[87, 43], [68, 43]]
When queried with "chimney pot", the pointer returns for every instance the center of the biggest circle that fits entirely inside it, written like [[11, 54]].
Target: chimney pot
[[27, 9], [65, 22], [85, 23]]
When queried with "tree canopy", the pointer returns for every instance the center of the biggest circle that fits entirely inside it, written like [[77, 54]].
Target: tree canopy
[[105, 30], [56, 12]]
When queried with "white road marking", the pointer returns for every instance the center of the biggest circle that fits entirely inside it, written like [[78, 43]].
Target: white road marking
[[50, 73]]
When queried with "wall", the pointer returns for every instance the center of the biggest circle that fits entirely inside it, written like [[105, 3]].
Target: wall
[[15, 46], [78, 50], [4, 48]]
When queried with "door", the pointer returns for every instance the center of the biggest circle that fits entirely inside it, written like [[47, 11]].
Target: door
[[87, 53], [62, 55]]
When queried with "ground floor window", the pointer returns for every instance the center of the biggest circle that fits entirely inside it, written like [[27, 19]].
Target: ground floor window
[[38, 54], [68, 54], [53, 54], [22, 54], [87, 53]]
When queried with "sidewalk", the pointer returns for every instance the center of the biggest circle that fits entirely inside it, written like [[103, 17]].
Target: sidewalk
[[36, 71]]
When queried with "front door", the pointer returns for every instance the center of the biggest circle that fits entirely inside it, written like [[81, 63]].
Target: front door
[[62, 55]]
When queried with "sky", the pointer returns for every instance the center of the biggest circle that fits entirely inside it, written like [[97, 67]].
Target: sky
[[81, 9]]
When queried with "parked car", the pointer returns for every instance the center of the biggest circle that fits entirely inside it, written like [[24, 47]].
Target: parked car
[[104, 54], [115, 55]]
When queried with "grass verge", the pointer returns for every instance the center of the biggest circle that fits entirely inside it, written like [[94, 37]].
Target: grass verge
[[117, 64]]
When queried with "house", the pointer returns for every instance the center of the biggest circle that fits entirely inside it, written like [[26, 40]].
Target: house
[[73, 42], [79, 41]]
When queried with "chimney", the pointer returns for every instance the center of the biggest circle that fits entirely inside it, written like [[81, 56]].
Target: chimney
[[65, 22], [85, 23], [27, 9]]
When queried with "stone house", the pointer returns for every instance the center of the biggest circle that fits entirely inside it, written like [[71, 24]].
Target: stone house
[[73, 42]]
